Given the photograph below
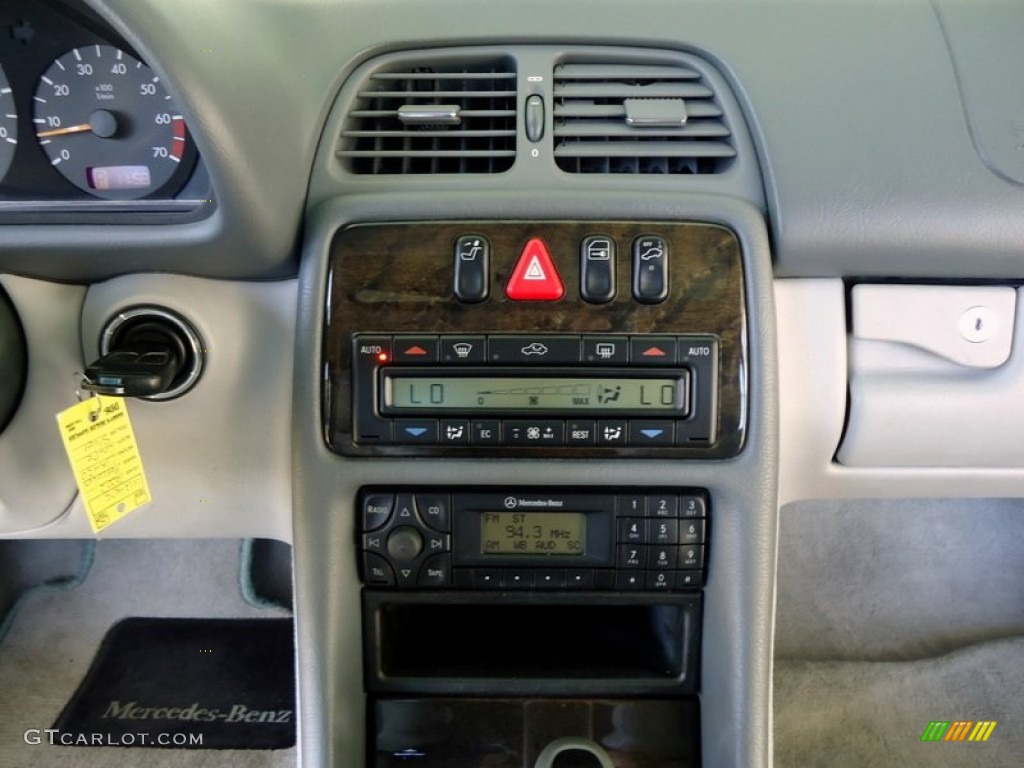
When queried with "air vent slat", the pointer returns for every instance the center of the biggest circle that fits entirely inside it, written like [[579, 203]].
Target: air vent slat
[[626, 72], [424, 153], [426, 134], [610, 118], [445, 116], [405, 95], [588, 110], [465, 113], [647, 149], [629, 91], [442, 76], [615, 130]]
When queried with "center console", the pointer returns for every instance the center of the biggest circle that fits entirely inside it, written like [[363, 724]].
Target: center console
[[564, 612], [537, 484]]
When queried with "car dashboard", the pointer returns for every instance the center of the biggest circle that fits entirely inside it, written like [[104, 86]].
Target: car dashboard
[[601, 367]]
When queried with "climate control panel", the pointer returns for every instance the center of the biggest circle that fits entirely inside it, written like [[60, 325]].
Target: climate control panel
[[589, 339]]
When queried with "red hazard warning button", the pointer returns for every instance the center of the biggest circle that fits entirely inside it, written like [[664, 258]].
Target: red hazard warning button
[[535, 277]]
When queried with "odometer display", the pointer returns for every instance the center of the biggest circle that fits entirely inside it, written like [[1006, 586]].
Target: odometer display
[[106, 123], [533, 533]]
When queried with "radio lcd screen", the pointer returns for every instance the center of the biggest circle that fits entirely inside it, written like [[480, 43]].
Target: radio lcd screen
[[533, 533], [526, 393]]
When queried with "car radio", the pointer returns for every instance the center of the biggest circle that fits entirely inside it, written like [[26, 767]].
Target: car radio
[[626, 539], [518, 339]]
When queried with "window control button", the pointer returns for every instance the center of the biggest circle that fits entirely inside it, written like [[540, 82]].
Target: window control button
[[597, 269], [650, 269]]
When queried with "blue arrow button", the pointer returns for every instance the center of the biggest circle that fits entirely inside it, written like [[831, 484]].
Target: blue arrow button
[[415, 431], [652, 433]]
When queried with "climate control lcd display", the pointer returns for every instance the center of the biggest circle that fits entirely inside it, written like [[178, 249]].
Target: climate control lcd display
[[403, 392]]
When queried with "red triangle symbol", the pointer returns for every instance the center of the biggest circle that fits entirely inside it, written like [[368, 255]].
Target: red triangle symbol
[[535, 277], [416, 351], [654, 352]]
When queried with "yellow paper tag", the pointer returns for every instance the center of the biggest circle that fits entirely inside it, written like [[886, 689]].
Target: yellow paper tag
[[100, 443]]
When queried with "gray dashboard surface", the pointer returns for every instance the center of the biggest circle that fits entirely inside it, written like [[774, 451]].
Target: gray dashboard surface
[[854, 104], [855, 107], [985, 48]]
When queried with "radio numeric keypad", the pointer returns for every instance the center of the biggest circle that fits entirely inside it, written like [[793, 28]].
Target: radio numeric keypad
[[664, 549]]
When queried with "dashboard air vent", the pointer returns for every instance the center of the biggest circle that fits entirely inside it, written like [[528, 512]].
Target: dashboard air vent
[[436, 117], [638, 118]]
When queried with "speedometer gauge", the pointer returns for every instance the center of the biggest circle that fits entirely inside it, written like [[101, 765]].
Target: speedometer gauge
[[106, 123], [8, 125]]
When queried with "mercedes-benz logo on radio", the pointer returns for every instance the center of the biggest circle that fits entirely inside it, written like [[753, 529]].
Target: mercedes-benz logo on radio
[[510, 502]]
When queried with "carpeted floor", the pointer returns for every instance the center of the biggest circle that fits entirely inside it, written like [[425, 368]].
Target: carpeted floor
[[54, 635], [847, 714], [894, 614]]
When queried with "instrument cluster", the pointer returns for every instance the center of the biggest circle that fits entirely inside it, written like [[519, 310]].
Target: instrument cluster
[[84, 121]]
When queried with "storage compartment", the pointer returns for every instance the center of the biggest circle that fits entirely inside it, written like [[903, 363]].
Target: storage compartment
[[535, 733], [511, 643], [935, 373]]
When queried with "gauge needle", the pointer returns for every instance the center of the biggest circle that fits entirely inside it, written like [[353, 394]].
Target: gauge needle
[[62, 131]]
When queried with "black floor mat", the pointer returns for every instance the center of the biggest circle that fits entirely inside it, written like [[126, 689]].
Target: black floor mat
[[187, 683]]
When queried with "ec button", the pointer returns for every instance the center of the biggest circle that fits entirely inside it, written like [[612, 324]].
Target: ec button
[[487, 432]]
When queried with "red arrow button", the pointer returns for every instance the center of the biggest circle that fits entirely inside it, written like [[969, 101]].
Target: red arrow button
[[416, 351], [654, 352], [535, 277]]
